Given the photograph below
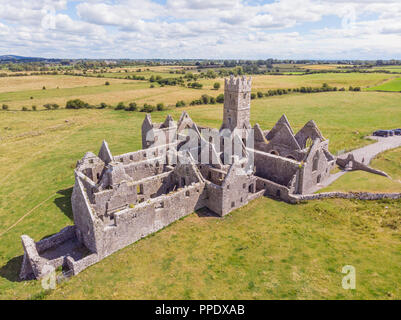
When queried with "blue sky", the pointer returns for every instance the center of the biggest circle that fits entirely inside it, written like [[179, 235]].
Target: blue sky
[[218, 29]]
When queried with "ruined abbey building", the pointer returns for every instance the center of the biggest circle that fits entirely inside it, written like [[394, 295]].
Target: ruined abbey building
[[118, 200]]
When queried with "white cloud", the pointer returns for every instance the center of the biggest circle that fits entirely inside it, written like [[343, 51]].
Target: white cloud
[[201, 28]]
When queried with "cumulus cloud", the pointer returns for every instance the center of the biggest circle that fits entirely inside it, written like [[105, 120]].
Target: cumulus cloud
[[202, 28]]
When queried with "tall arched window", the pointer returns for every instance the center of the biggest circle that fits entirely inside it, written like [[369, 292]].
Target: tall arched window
[[308, 143], [315, 161]]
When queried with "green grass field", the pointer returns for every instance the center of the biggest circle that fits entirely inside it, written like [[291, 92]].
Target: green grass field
[[265, 250], [392, 85], [18, 92], [389, 161]]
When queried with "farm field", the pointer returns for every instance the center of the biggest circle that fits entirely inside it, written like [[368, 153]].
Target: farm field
[[239, 256], [18, 92], [392, 85], [389, 68]]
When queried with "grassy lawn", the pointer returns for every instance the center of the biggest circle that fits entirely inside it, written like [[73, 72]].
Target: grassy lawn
[[243, 257], [392, 85], [389, 162], [361, 181], [267, 249]]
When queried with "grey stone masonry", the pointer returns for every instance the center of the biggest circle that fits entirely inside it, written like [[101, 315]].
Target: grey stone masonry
[[119, 199]]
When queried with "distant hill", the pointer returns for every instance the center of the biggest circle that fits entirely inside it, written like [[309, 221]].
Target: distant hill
[[13, 58]]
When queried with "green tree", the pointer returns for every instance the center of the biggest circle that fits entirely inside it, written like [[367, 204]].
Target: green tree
[[216, 86], [75, 104], [220, 98], [120, 106]]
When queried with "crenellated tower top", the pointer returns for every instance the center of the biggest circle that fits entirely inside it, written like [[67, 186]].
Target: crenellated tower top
[[240, 84]]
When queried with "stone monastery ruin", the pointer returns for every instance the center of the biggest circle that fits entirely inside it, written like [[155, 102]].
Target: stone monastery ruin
[[118, 200]]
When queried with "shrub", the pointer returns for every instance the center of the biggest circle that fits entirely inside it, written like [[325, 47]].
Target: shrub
[[260, 94], [55, 106], [147, 108], [120, 106], [216, 86], [205, 99], [160, 107], [34, 108], [44, 88], [253, 96], [76, 104], [4, 107], [132, 107], [107, 83], [24, 109], [195, 85], [212, 100], [103, 105], [357, 89], [152, 86], [180, 104], [220, 98]]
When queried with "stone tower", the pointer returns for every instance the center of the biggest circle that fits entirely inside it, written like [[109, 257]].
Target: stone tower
[[237, 103]]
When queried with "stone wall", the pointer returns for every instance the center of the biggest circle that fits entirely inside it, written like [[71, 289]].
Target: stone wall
[[346, 195], [273, 189], [275, 168], [148, 217]]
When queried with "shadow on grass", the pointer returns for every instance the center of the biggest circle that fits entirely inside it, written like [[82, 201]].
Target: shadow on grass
[[206, 213], [10, 270], [64, 202]]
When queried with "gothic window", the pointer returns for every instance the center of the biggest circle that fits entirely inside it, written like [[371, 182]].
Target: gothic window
[[315, 161], [308, 143]]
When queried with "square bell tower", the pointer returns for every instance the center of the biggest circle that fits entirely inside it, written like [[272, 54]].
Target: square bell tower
[[237, 103]]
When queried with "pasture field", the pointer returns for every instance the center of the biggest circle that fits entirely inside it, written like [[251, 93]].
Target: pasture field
[[17, 92], [393, 85], [239, 256], [388, 68], [36, 83]]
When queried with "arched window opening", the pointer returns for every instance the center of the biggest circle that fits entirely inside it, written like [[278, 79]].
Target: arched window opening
[[308, 143], [315, 161]]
